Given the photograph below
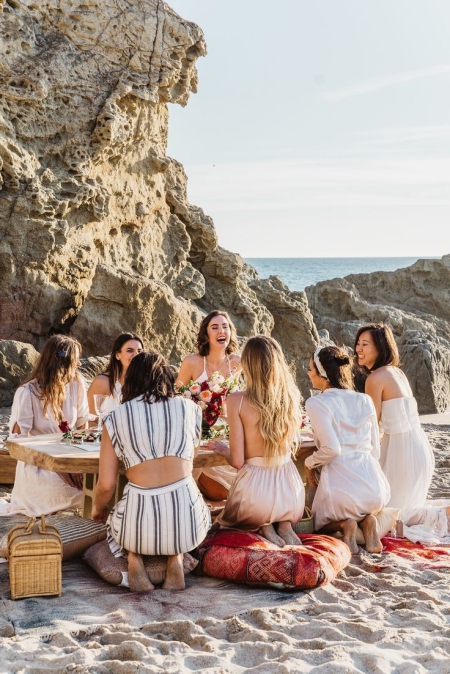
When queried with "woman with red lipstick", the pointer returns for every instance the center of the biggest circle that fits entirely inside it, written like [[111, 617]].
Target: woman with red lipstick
[[406, 458], [217, 346]]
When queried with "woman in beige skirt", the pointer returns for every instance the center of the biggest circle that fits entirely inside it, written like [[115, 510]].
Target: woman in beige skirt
[[264, 421]]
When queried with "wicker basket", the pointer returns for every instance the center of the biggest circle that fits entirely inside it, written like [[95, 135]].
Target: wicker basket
[[35, 560], [306, 524]]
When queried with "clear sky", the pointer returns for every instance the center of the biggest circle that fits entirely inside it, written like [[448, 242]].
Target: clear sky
[[320, 127]]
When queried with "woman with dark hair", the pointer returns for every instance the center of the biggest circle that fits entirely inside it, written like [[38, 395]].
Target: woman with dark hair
[[264, 422], [352, 487], [217, 346], [109, 383], [55, 392], [406, 458], [156, 434]]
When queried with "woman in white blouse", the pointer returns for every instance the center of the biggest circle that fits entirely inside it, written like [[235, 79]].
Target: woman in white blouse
[[352, 486], [54, 393]]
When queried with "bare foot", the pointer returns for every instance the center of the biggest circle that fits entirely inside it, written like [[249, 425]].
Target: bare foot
[[349, 535], [269, 532], [174, 573], [287, 533], [137, 575], [369, 528]]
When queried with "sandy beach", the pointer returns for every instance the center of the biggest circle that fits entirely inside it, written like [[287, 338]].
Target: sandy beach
[[383, 613]]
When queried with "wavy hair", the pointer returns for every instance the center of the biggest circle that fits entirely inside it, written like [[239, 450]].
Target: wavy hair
[[338, 366], [271, 390], [385, 344], [203, 339], [55, 367], [115, 368], [149, 375]]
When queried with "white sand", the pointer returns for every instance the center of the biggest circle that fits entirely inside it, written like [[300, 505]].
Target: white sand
[[369, 620]]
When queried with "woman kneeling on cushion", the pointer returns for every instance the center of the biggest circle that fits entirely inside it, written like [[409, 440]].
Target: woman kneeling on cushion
[[352, 487], [156, 434]]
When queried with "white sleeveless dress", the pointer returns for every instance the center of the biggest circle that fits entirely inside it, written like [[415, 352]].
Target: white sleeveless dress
[[407, 460]]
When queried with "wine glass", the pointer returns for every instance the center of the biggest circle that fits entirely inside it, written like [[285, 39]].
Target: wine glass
[[99, 401]]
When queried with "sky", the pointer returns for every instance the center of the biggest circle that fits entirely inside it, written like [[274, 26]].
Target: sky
[[321, 128]]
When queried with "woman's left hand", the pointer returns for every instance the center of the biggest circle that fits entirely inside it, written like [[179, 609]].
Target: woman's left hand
[[99, 514], [219, 447]]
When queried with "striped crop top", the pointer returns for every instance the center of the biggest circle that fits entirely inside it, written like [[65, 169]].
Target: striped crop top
[[140, 431]]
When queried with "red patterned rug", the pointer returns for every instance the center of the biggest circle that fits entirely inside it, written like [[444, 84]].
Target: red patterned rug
[[431, 557]]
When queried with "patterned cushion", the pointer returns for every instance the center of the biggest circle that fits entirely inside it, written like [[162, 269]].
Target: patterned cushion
[[246, 557], [77, 533]]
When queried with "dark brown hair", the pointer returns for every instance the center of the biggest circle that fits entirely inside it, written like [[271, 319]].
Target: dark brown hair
[[337, 365], [203, 339], [55, 367], [115, 367], [149, 375], [385, 344]]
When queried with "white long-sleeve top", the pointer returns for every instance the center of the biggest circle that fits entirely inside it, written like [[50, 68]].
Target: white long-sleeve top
[[352, 484]]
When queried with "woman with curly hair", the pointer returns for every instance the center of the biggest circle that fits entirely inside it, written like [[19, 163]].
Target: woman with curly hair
[[264, 422], [55, 392]]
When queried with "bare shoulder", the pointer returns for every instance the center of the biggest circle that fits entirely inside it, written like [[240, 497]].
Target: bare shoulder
[[100, 384]]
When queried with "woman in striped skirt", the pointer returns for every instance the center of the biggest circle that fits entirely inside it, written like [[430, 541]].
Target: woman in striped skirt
[[155, 434]]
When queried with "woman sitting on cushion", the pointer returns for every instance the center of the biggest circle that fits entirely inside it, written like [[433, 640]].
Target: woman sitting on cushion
[[217, 345], [352, 487], [264, 421], [156, 434]]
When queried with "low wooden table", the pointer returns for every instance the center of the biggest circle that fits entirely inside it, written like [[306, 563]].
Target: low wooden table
[[48, 452]]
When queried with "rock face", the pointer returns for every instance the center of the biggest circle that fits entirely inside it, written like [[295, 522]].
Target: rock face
[[415, 302], [97, 235]]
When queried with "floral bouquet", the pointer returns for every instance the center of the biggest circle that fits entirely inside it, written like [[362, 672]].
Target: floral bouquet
[[210, 395]]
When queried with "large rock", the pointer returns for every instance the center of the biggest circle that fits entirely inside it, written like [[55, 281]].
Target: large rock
[[97, 234], [17, 360], [414, 302]]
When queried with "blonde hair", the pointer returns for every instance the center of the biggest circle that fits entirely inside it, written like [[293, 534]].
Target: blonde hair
[[271, 390], [56, 367]]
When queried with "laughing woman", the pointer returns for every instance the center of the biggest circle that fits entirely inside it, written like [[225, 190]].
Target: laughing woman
[[156, 434], [217, 345]]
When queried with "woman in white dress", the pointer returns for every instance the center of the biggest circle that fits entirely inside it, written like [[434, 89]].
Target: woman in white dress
[[407, 458], [54, 393], [109, 383], [352, 487], [217, 346]]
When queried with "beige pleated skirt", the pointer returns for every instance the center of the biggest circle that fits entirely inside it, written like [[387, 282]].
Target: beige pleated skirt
[[263, 493]]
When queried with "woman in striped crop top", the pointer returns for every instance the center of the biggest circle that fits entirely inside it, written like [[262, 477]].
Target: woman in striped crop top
[[156, 435]]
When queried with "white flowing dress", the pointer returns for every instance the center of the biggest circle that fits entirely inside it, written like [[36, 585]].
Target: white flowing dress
[[352, 484], [37, 491], [407, 460]]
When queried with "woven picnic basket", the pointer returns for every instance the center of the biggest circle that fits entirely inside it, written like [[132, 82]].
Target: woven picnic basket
[[35, 559], [306, 524]]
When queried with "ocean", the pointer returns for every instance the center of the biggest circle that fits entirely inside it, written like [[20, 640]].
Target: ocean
[[300, 272]]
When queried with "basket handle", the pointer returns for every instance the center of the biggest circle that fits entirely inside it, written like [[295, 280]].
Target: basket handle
[[28, 531], [42, 526]]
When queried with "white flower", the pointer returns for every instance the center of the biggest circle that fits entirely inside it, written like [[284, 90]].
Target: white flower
[[216, 388], [187, 394]]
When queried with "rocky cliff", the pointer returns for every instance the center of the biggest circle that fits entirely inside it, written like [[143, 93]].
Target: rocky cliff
[[415, 301], [97, 234]]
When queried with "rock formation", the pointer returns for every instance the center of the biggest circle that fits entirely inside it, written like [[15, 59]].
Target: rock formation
[[97, 235], [415, 302]]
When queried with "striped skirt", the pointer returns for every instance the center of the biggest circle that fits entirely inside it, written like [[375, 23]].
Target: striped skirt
[[165, 520]]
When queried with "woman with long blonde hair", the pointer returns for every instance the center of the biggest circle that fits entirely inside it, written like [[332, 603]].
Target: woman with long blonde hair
[[264, 422], [55, 392]]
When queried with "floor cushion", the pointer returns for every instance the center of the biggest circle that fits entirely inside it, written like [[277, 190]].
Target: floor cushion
[[246, 557], [77, 533], [115, 569]]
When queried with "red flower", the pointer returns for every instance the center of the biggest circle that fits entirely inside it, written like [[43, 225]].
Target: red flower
[[64, 426]]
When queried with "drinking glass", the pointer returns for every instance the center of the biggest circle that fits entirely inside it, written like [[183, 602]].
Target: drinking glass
[[99, 401]]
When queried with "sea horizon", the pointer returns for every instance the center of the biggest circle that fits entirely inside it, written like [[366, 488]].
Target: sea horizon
[[300, 272]]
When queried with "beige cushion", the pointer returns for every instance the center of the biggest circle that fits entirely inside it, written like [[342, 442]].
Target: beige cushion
[[77, 533], [100, 558]]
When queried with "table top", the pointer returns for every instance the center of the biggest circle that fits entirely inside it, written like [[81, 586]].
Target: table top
[[49, 452]]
